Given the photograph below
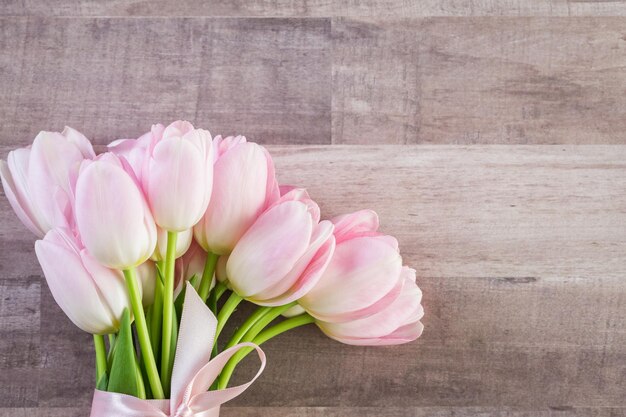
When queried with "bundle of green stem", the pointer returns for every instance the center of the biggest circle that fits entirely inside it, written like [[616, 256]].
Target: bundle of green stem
[[147, 373]]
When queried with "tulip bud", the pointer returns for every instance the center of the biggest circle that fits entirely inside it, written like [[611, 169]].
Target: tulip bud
[[244, 185], [147, 274], [364, 275], [183, 241], [398, 323], [38, 180], [283, 254], [112, 215], [91, 295], [177, 176]]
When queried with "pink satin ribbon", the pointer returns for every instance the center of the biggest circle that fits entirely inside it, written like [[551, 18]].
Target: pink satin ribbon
[[194, 372]]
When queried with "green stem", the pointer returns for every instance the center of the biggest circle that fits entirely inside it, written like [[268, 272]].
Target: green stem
[[207, 275], [156, 324], [259, 339], [168, 309], [250, 321], [142, 334], [101, 356], [227, 310]]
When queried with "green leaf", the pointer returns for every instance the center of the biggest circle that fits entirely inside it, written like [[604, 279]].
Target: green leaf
[[125, 377], [103, 382]]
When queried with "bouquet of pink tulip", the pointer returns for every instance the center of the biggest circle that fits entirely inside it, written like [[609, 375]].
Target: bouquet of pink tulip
[[150, 237]]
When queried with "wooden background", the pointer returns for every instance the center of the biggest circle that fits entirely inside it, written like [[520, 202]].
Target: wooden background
[[489, 135]]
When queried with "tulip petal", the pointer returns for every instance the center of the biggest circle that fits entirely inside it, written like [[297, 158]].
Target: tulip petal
[[77, 296], [306, 272], [52, 158], [270, 248], [362, 277], [112, 216], [357, 224], [239, 197], [405, 309], [109, 283], [178, 184], [80, 140], [16, 190]]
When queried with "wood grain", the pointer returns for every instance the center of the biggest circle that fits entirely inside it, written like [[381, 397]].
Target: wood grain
[[479, 80], [299, 8], [266, 78], [520, 254]]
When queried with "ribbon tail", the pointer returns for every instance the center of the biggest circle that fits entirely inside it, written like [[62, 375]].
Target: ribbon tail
[[202, 399]]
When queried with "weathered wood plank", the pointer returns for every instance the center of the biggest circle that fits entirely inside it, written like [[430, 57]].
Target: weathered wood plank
[[266, 78], [19, 341], [480, 211], [479, 80], [519, 251], [289, 8], [351, 412]]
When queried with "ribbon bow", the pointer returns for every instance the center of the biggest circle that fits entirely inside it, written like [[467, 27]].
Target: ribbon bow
[[194, 372]]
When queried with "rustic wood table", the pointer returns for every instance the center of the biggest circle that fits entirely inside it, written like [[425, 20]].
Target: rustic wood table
[[489, 135]]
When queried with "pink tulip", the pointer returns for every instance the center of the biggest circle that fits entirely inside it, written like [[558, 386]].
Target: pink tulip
[[91, 295], [177, 176], [397, 323], [37, 180], [364, 275], [244, 186], [112, 215], [283, 254], [182, 244]]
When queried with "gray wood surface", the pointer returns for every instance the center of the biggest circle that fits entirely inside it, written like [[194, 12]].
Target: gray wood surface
[[519, 247], [265, 78], [299, 8], [479, 80]]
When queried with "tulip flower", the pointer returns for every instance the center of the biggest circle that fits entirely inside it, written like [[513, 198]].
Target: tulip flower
[[37, 179], [283, 254], [112, 215], [183, 241], [244, 185], [117, 228], [397, 323], [90, 294], [364, 275], [177, 176]]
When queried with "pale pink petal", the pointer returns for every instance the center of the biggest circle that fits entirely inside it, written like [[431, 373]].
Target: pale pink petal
[[357, 224], [112, 216], [81, 142], [72, 287], [305, 273], [16, 190], [363, 274], [177, 184], [270, 248], [239, 197]]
